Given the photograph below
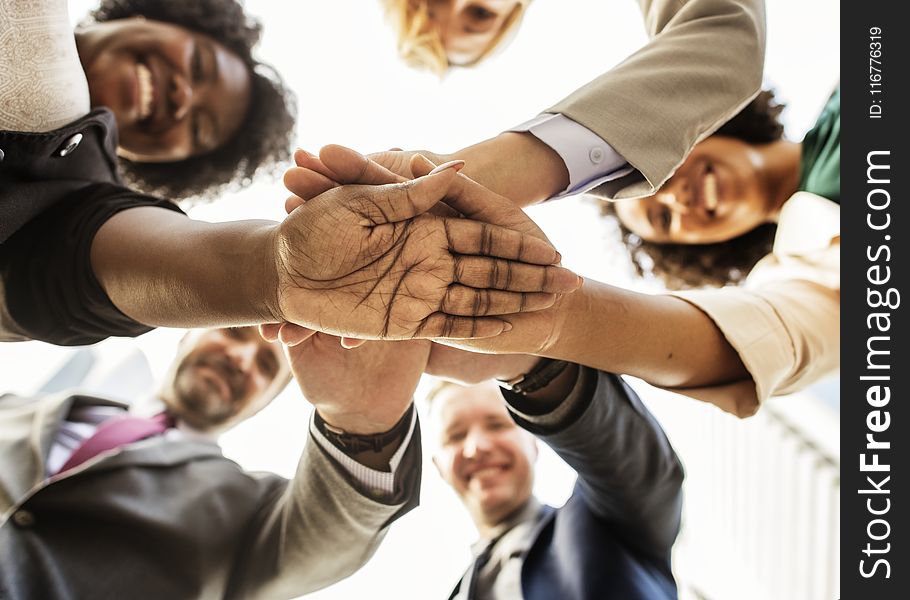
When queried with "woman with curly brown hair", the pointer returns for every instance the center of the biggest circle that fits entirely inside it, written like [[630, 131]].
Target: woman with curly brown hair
[[171, 89]]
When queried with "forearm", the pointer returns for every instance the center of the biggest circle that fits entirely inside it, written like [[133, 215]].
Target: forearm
[[629, 472], [517, 166], [164, 269], [658, 338]]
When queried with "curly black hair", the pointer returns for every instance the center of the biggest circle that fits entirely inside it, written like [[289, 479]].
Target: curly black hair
[[686, 266], [271, 114]]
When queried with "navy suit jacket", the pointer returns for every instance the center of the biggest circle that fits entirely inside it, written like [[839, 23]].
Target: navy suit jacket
[[612, 538]]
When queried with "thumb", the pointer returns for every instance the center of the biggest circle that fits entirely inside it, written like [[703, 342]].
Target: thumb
[[392, 203]]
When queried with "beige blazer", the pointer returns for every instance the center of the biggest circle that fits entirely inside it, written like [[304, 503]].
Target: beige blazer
[[176, 519], [785, 321], [702, 66]]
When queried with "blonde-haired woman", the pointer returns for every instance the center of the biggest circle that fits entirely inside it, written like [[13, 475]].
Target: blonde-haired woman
[[437, 34]]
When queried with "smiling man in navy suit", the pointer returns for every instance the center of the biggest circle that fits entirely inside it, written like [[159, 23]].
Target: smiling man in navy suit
[[612, 538]]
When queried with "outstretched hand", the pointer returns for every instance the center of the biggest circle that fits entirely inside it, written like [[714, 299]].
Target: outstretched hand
[[367, 263]]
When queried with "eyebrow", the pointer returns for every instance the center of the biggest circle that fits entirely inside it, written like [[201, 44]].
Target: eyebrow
[[216, 69], [214, 78]]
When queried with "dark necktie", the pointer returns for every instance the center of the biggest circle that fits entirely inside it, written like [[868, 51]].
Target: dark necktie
[[482, 559], [116, 432]]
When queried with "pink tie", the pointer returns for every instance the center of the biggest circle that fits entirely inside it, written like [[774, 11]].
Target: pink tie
[[116, 432]]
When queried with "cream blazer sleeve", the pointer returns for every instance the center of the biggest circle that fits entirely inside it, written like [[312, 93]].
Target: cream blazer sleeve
[[702, 66], [785, 322], [42, 84]]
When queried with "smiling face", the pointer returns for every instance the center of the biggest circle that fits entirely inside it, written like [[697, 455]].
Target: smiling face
[[175, 93], [468, 28], [222, 376], [485, 457], [719, 193]]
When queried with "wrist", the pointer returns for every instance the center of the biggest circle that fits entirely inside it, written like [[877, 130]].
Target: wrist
[[570, 324], [516, 165], [516, 365], [259, 273], [360, 423]]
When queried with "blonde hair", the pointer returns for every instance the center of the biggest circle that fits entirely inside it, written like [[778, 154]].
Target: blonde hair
[[419, 43]]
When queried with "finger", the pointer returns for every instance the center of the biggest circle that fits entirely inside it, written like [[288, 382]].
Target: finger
[[307, 183], [352, 167], [293, 203], [441, 325], [469, 302], [498, 274], [473, 237], [351, 343], [391, 203], [308, 160], [269, 331], [479, 203], [291, 334]]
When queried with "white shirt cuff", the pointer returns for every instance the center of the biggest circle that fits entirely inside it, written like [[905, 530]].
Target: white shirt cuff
[[589, 159], [380, 483]]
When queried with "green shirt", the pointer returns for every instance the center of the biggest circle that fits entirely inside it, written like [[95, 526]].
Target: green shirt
[[821, 153]]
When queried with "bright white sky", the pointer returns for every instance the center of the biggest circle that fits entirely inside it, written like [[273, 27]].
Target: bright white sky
[[339, 58]]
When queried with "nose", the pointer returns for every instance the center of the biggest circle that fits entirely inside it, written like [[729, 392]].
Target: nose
[[243, 355], [180, 95], [476, 444]]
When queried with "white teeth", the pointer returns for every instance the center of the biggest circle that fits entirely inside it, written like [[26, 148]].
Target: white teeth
[[486, 471], [710, 191], [144, 76]]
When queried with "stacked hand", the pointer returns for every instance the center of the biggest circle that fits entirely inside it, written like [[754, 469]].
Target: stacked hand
[[367, 263], [531, 332], [362, 391]]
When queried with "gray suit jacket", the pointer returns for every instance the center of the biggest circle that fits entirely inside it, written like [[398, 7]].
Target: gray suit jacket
[[176, 519], [702, 65]]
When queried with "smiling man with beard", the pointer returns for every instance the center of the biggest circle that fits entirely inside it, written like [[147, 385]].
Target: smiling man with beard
[[96, 501]]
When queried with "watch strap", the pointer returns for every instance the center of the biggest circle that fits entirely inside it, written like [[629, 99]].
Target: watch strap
[[352, 443]]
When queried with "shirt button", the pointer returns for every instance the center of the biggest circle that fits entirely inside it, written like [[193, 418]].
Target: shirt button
[[23, 518], [1, 155], [69, 145], [596, 155]]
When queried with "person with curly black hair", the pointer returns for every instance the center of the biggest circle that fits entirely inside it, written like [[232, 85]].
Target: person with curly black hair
[[171, 87], [119, 42], [718, 263]]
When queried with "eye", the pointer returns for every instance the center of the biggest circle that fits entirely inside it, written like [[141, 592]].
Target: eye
[[233, 333], [267, 363], [196, 64], [666, 218], [455, 436], [479, 13]]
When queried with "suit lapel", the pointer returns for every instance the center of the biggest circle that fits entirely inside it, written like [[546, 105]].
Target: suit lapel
[[27, 427]]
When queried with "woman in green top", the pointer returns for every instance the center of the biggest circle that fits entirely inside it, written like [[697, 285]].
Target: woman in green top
[[715, 218]]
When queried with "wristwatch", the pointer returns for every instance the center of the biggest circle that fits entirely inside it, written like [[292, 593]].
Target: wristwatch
[[352, 443], [544, 372]]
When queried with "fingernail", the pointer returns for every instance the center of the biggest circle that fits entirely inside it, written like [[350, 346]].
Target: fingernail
[[310, 154], [452, 164], [558, 256], [506, 326]]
